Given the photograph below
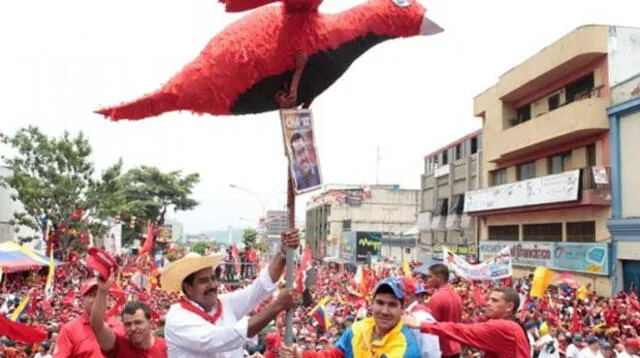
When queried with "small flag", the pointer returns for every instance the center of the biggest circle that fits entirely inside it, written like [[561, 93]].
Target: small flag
[[48, 287], [22, 308], [320, 313], [406, 269], [21, 332]]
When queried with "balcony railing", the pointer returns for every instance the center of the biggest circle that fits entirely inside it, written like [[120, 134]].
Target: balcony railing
[[592, 93], [599, 181]]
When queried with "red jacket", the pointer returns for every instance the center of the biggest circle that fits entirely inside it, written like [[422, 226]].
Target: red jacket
[[498, 338]]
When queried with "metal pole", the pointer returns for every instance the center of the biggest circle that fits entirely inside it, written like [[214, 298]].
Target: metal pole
[[291, 208]]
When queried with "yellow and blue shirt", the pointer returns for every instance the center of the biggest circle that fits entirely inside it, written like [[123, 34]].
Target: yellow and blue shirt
[[398, 343]]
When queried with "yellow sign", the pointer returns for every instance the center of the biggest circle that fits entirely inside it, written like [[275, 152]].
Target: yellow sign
[[457, 249]]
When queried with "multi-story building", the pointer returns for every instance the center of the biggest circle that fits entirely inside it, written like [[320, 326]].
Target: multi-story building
[[449, 173], [172, 230], [545, 154], [383, 209], [624, 225], [274, 224]]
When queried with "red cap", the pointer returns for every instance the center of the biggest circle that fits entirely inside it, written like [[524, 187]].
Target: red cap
[[88, 285], [100, 260], [632, 342]]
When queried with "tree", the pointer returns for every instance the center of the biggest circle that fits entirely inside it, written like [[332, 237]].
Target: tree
[[150, 193], [202, 246], [53, 179], [249, 237]]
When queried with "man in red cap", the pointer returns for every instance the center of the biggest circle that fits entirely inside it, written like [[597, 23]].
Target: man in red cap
[[76, 339]]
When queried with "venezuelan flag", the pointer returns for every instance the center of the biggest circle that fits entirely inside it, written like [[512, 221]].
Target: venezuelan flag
[[22, 308], [48, 287], [319, 312]]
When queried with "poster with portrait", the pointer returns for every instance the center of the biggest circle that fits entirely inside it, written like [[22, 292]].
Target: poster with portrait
[[297, 128]]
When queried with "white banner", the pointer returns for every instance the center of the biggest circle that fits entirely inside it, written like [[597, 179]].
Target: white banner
[[113, 241], [496, 268]]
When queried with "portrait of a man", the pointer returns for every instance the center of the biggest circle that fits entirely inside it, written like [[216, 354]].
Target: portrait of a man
[[303, 160]]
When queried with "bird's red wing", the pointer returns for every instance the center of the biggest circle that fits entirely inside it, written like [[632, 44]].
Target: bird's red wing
[[244, 5]]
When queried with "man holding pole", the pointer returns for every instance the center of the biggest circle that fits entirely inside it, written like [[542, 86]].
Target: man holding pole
[[204, 324]]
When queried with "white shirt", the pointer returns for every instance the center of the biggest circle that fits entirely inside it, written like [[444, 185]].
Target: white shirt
[[572, 351], [588, 353], [190, 336], [429, 343], [549, 347]]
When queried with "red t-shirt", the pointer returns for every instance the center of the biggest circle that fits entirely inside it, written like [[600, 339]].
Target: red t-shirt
[[76, 339], [124, 348], [446, 306]]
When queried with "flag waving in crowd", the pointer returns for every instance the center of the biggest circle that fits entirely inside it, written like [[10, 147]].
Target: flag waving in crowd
[[48, 287]]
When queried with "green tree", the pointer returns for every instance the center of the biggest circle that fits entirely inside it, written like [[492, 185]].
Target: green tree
[[249, 237], [150, 194], [54, 176], [202, 245]]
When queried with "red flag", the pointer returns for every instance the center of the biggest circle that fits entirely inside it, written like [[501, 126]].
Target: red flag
[[120, 302], [478, 296], [568, 280], [21, 332], [302, 270], [148, 243], [576, 322], [33, 305]]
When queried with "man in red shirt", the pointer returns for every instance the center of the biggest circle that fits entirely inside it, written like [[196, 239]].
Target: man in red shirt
[[139, 340], [445, 306], [500, 337], [76, 339]]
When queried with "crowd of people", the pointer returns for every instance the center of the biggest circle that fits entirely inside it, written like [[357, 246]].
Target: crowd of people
[[336, 314]]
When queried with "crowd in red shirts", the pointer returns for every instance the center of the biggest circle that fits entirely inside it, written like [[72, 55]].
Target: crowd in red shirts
[[576, 314]]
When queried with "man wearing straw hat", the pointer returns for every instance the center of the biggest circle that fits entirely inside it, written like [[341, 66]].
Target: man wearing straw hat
[[204, 324]]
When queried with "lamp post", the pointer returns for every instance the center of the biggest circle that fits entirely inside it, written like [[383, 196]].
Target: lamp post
[[263, 203]]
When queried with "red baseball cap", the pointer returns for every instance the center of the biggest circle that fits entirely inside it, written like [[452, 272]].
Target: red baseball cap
[[88, 285], [100, 261], [632, 342]]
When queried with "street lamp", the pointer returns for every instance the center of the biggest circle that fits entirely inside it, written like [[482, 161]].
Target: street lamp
[[263, 204]]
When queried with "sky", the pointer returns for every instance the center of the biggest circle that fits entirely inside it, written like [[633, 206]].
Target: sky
[[63, 59]]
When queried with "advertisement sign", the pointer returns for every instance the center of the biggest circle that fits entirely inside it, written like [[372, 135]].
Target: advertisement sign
[[527, 254], [367, 243], [349, 248], [559, 256], [587, 258], [297, 130], [496, 268], [557, 188]]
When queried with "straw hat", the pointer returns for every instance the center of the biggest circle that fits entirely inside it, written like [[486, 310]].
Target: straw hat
[[173, 275]]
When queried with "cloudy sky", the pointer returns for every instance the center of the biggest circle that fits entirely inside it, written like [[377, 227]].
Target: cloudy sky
[[63, 59]]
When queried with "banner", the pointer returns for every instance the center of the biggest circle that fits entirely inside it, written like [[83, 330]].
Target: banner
[[496, 268], [297, 130], [113, 241], [367, 243], [586, 258], [527, 254]]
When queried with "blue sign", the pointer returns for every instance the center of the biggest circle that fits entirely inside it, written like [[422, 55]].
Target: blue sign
[[587, 258]]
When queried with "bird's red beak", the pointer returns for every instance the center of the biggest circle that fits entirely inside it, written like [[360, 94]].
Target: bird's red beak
[[429, 27]]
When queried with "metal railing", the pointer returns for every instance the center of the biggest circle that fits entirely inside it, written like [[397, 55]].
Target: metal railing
[[600, 181]]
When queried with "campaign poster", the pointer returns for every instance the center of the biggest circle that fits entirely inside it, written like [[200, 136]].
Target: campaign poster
[[297, 128]]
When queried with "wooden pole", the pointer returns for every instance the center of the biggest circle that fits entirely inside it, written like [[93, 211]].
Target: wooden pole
[[291, 211]]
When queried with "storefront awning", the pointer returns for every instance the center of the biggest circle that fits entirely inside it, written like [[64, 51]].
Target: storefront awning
[[14, 258]]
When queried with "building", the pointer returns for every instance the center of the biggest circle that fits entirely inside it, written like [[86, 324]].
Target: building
[[275, 224], [449, 173], [7, 207], [383, 210], [624, 225], [545, 154]]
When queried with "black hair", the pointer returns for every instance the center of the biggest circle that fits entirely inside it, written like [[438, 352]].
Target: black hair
[[389, 290], [440, 270], [132, 307], [510, 295]]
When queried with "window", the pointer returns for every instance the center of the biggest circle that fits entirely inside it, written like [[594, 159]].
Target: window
[[499, 177], [580, 88], [474, 145], [459, 151], [542, 232], [583, 231], [504, 233], [559, 163], [554, 101], [457, 205], [523, 114], [591, 155], [445, 157], [442, 207], [407, 251], [526, 171], [346, 225]]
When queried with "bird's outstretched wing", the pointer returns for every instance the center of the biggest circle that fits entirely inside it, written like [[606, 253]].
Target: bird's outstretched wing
[[292, 5]]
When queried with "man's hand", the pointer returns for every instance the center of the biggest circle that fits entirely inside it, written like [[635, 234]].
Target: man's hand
[[290, 352], [287, 299], [290, 240], [105, 286], [411, 322]]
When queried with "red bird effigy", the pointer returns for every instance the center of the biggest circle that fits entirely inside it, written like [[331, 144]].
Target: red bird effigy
[[279, 56]]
